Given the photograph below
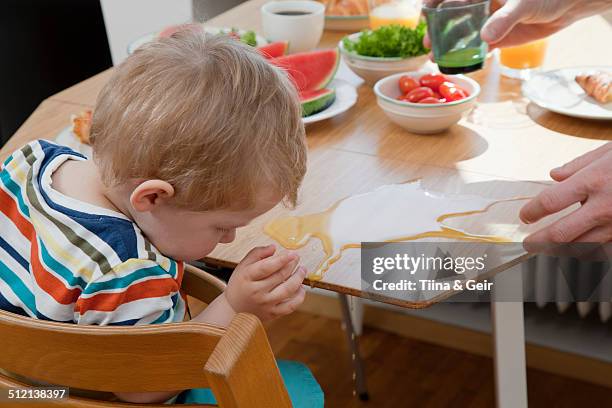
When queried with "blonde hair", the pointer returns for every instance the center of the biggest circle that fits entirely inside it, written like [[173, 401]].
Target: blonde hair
[[205, 113]]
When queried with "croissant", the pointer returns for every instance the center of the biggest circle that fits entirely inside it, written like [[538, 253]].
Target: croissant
[[346, 7], [598, 85], [81, 126]]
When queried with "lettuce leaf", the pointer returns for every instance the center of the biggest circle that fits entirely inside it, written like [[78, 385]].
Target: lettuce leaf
[[249, 38], [389, 41]]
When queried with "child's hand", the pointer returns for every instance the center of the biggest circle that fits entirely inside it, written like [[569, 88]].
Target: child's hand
[[266, 285]]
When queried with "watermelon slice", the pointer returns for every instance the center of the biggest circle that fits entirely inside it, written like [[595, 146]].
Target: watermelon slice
[[274, 50], [310, 71], [316, 101], [168, 31]]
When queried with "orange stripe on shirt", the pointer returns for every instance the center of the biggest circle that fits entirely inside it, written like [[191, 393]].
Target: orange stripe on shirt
[[49, 282], [107, 302], [8, 206]]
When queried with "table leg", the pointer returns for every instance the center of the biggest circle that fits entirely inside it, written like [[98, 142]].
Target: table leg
[[356, 309], [353, 342], [509, 342]]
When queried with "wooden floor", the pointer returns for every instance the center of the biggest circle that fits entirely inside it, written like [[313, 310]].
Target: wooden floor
[[407, 373]]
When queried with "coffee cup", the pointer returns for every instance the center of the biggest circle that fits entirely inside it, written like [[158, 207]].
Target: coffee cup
[[298, 22]]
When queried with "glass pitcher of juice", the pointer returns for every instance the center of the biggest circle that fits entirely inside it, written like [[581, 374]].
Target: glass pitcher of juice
[[387, 12], [520, 61]]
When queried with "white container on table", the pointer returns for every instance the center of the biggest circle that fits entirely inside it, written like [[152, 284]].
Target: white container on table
[[302, 31], [372, 69], [419, 117]]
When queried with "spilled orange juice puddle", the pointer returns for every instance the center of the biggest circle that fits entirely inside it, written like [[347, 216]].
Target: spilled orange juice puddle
[[391, 213]]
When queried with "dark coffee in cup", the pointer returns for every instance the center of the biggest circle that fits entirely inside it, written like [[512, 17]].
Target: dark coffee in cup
[[292, 13]]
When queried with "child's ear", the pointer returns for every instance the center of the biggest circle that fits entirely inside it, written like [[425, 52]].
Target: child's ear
[[149, 194]]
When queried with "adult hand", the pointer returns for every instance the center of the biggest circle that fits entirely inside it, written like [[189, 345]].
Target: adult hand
[[586, 180], [520, 21]]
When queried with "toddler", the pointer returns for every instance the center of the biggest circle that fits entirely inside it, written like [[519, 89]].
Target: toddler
[[193, 137]]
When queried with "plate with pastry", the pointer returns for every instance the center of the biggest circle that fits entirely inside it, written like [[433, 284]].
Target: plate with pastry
[[346, 15], [76, 136], [583, 92]]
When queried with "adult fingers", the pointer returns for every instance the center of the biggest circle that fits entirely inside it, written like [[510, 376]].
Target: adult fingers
[[524, 33], [554, 199], [291, 304], [289, 287], [266, 267], [595, 244], [580, 162], [600, 234], [567, 228], [503, 21], [257, 254]]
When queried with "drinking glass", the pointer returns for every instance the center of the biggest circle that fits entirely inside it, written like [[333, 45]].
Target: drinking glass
[[387, 12], [454, 30], [521, 61]]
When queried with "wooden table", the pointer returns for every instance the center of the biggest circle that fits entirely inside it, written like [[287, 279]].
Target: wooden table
[[504, 148]]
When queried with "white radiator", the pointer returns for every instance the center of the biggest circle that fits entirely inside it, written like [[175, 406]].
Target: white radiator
[[543, 284]]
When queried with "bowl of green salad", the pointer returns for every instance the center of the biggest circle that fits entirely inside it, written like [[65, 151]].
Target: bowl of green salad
[[388, 50]]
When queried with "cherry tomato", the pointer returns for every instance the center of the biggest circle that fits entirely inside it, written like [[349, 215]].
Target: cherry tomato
[[430, 99], [407, 84], [418, 93], [452, 92], [433, 81]]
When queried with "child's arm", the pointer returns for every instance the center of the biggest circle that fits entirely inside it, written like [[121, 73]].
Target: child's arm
[[263, 284]]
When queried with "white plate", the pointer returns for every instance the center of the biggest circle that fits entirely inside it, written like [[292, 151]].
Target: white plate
[[212, 30], [67, 138], [346, 97], [558, 91]]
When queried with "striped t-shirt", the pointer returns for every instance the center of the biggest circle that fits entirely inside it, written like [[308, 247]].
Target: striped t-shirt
[[65, 260]]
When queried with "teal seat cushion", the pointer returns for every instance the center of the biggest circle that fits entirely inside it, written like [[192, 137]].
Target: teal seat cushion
[[301, 385]]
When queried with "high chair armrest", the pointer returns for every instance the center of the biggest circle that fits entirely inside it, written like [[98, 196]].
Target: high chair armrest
[[242, 371], [201, 285]]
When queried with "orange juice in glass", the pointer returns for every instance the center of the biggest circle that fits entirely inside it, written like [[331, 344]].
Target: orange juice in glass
[[522, 60], [387, 12]]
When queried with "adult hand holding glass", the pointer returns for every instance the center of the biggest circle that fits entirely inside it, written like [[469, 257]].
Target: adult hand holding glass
[[587, 179], [521, 21]]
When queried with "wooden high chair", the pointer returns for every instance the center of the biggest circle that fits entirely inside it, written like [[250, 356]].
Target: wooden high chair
[[236, 363]]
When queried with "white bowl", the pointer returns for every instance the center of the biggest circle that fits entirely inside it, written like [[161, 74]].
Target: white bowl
[[419, 117], [372, 69]]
